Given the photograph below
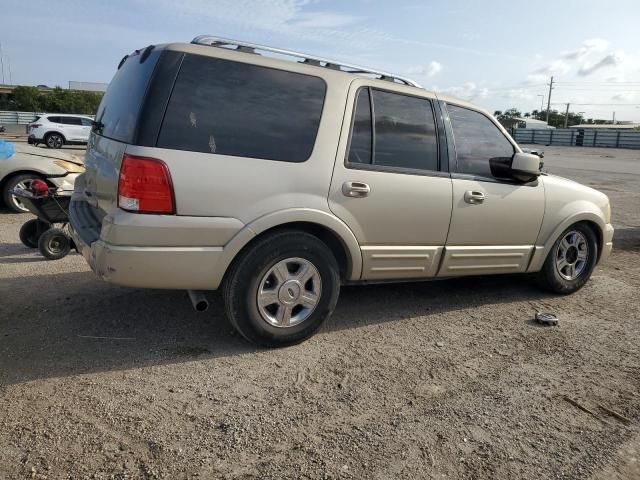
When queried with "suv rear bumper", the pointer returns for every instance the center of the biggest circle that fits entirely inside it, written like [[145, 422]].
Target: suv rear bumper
[[179, 252], [180, 268]]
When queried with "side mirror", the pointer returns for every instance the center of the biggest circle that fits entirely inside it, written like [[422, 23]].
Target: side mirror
[[525, 167]]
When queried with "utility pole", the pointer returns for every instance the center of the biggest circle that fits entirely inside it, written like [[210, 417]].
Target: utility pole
[[566, 116], [614, 118], [549, 99], [541, 103], [1, 64]]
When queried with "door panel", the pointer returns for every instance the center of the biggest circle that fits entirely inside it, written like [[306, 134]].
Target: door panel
[[401, 222], [509, 215]]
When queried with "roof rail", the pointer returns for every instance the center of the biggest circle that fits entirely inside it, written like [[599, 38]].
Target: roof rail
[[308, 59]]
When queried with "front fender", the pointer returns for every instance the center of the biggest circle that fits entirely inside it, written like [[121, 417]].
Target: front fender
[[574, 212], [287, 216]]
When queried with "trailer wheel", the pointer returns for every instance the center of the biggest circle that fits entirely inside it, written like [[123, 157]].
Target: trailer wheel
[[31, 231], [54, 244]]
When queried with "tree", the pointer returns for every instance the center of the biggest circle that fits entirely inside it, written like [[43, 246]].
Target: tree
[[31, 99]]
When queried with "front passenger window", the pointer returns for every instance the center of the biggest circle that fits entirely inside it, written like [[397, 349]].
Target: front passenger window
[[479, 143]]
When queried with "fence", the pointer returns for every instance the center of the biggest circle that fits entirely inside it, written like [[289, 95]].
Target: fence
[[578, 137], [17, 118]]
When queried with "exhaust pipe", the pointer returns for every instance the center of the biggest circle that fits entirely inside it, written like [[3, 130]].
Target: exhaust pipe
[[198, 300]]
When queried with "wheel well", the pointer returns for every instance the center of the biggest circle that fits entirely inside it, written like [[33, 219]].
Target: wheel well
[[327, 236], [44, 137], [598, 233], [4, 181]]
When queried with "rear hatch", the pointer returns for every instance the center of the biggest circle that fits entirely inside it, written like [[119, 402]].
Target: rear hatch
[[118, 124]]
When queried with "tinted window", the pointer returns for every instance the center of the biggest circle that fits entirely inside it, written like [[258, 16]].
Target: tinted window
[[230, 108], [405, 132], [70, 121], [361, 136], [86, 122], [119, 108], [479, 143], [54, 119]]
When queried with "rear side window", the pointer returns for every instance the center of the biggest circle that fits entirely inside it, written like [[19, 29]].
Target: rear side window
[[54, 119], [403, 131], [70, 121], [479, 143], [362, 135], [231, 108], [119, 108]]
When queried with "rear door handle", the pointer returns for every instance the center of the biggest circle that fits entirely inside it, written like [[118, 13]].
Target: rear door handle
[[474, 197], [355, 189]]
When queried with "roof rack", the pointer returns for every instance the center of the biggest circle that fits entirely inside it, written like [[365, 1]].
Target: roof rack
[[308, 59]]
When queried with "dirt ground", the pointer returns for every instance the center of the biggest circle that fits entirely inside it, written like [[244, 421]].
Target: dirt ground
[[446, 379]]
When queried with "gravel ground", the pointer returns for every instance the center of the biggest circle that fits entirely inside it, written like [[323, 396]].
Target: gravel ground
[[447, 379]]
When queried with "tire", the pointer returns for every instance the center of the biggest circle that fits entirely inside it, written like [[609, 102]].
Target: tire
[[54, 244], [54, 140], [13, 203], [578, 247], [31, 231], [308, 300]]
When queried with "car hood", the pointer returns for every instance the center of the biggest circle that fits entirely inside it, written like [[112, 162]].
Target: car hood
[[22, 149]]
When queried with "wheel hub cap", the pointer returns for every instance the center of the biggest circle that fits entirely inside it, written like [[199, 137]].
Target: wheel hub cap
[[289, 292], [572, 255]]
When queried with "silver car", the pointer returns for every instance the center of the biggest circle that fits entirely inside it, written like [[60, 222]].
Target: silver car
[[59, 169], [214, 165]]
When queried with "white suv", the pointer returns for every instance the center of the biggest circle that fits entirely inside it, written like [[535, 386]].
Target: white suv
[[56, 130], [214, 167]]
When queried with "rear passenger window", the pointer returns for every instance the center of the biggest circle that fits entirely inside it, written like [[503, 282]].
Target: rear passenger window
[[479, 142], [70, 121], [231, 108], [403, 133], [361, 136], [54, 119]]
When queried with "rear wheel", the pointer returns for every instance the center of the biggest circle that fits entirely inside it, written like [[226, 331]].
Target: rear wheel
[[31, 231], [54, 244], [54, 140], [571, 261], [20, 181], [282, 289]]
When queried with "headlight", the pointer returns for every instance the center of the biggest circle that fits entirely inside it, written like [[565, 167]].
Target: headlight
[[69, 166]]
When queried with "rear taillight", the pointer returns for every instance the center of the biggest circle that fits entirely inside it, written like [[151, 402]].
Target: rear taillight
[[35, 125], [145, 186]]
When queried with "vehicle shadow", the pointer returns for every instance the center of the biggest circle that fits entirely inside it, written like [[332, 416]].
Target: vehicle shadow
[[73, 323], [626, 238]]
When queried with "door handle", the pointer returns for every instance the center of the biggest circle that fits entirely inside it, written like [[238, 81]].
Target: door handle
[[473, 197], [355, 189]]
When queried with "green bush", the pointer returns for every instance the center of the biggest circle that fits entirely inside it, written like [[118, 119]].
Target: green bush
[[31, 99]]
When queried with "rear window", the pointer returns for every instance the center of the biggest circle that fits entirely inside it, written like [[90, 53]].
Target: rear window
[[231, 108], [120, 106]]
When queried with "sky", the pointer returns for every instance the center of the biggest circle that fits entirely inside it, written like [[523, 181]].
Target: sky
[[497, 54]]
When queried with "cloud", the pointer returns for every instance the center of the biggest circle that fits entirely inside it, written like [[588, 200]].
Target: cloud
[[430, 70], [520, 94], [587, 47], [466, 91], [610, 60], [323, 20], [556, 67], [624, 96]]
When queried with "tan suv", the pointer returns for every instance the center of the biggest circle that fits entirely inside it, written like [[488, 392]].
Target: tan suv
[[221, 164]]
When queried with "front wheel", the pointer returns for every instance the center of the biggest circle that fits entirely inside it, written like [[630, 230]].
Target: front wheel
[[571, 261], [54, 244], [281, 290]]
